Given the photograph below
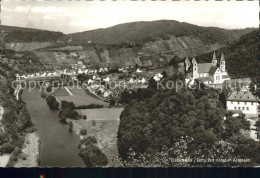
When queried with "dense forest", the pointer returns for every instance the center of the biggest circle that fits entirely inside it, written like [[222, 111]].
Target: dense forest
[[188, 123], [242, 56]]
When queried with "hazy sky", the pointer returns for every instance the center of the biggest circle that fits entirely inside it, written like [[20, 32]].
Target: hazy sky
[[74, 16]]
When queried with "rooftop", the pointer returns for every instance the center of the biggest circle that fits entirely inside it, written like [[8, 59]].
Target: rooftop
[[241, 96], [205, 68]]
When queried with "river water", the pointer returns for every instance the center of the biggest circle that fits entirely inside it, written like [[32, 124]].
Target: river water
[[59, 147]]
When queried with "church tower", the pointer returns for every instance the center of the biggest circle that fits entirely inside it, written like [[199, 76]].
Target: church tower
[[194, 68], [222, 63], [187, 64], [214, 59]]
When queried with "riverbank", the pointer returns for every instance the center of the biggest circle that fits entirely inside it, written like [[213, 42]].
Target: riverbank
[[30, 151], [4, 160]]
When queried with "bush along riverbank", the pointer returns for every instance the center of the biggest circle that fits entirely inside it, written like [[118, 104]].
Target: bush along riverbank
[[91, 154]]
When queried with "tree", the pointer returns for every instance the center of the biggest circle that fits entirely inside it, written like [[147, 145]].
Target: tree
[[52, 103], [112, 101], [48, 89], [257, 124], [70, 126], [83, 132], [252, 87], [91, 154], [85, 117]]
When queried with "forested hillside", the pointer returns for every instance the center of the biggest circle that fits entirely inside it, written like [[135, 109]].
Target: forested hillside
[[188, 124], [242, 56], [15, 121], [150, 31]]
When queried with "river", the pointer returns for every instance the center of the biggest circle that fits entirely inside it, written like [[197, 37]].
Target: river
[[59, 147]]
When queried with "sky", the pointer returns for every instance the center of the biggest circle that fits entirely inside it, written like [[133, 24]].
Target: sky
[[75, 16]]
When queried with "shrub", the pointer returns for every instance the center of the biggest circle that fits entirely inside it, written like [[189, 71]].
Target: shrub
[[90, 106], [83, 132], [52, 103], [7, 148], [88, 140], [91, 154], [48, 89], [70, 126]]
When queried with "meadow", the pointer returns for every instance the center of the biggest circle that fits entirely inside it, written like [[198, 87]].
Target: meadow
[[80, 98], [102, 124]]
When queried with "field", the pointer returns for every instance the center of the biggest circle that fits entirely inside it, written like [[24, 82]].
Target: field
[[81, 98], [60, 92], [102, 124]]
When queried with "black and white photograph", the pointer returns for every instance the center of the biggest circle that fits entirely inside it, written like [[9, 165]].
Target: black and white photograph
[[129, 84]]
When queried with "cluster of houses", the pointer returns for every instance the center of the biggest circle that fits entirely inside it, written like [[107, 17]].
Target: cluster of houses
[[113, 86], [239, 98], [97, 83]]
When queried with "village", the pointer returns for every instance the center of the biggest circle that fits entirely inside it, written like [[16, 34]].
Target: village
[[96, 93], [237, 91]]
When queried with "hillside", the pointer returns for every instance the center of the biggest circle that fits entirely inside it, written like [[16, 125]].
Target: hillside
[[183, 123], [15, 121], [14, 28], [20, 34], [242, 56], [27, 39], [149, 31]]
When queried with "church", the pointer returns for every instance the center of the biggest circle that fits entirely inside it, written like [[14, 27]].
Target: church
[[209, 73]]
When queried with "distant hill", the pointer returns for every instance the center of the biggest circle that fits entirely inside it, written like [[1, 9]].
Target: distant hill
[[20, 34], [242, 56], [27, 39], [14, 28], [150, 31], [120, 45]]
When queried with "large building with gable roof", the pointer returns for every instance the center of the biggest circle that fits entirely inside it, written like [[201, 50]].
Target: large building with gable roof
[[208, 73], [243, 101]]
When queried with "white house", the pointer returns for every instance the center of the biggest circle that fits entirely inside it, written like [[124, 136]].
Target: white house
[[90, 81], [138, 70], [143, 80], [106, 79], [243, 101], [131, 80], [158, 77]]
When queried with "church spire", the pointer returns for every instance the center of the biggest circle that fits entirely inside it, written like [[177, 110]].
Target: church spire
[[214, 56], [222, 63], [214, 59], [222, 57]]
